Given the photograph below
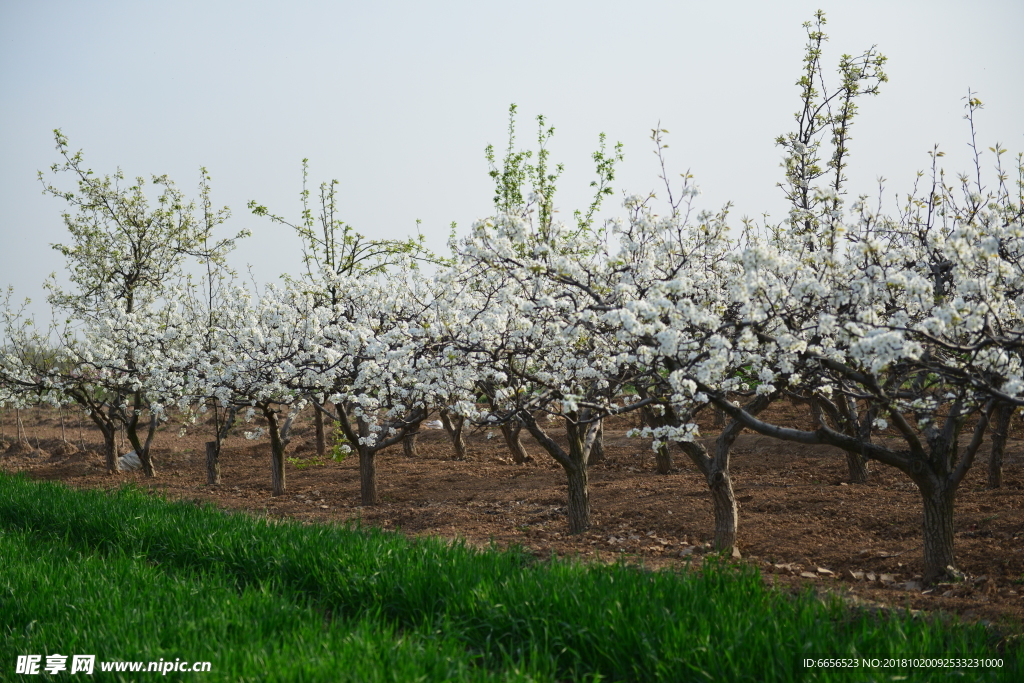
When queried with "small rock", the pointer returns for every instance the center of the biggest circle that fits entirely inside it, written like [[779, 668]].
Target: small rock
[[827, 572], [955, 573], [887, 579], [912, 586], [870, 576], [687, 551], [808, 575], [854, 576]]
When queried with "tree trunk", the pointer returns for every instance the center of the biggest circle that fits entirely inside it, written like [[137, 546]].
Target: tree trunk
[[409, 445], [579, 499], [110, 446], [212, 464], [726, 511], [939, 562], [21, 427], [321, 436], [716, 473], [105, 423], [663, 459], [662, 455], [453, 424], [995, 461], [142, 449], [515, 444], [856, 467], [277, 448], [368, 476], [597, 450], [574, 462]]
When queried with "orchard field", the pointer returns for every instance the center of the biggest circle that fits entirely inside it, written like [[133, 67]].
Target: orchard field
[[829, 399], [797, 511]]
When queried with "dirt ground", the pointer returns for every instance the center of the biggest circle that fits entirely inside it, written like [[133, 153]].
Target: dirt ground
[[800, 522]]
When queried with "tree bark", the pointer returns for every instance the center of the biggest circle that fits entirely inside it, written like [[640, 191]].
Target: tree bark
[[579, 499], [213, 456], [726, 511], [662, 455], [510, 431], [856, 467], [212, 464], [663, 459], [368, 477], [321, 436], [277, 450], [105, 423], [453, 424], [581, 439], [110, 448], [409, 445], [939, 561], [715, 469], [1004, 413], [142, 449], [597, 450]]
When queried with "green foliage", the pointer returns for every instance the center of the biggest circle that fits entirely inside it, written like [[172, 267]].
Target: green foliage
[[330, 245], [340, 445], [306, 463], [516, 174], [824, 113]]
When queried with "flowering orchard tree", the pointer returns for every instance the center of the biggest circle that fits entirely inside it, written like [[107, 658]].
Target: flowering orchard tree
[[29, 360], [676, 316], [123, 254], [262, 357], [393, 363], [370, 351], [333, 249], [916, 321], [533, 323], [684, 312]]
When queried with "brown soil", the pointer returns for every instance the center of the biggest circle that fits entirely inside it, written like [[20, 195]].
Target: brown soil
[[800, 522]]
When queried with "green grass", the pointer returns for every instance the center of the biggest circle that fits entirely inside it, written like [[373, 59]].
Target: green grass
[[129, 577]]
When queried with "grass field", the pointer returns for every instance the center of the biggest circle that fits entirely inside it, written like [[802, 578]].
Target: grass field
[[128, 577]]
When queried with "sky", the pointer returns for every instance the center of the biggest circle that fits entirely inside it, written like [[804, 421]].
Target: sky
[[397, 100]]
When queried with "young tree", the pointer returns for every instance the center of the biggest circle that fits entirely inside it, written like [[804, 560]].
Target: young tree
[[333, 249]]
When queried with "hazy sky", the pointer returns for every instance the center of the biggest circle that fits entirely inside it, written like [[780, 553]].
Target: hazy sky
[[397, 100]]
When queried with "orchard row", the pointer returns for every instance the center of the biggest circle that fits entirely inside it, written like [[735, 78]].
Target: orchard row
[[912, 321]]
